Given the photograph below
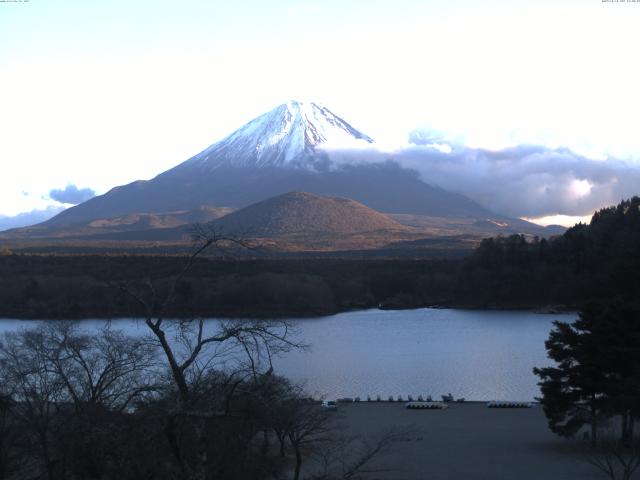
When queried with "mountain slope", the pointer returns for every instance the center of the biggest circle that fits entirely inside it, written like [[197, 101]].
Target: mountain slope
[[287, 136], [384, 187], [139, 226], [278, 152], [304, 213]]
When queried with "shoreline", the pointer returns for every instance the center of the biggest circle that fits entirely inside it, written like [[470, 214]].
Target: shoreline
[[540, 310]]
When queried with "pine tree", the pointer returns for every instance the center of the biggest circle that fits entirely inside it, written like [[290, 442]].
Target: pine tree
[[598, 371]]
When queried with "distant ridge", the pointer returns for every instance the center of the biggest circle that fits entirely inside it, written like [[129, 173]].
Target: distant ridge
[[301, 213], [149, 226]]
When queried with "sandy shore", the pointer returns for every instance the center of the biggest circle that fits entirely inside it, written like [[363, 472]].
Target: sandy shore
[[469, 441]]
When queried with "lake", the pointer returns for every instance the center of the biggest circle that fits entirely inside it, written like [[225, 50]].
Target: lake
[[476, 354]]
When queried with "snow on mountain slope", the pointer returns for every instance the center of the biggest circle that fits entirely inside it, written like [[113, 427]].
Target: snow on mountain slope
[[287, 136]]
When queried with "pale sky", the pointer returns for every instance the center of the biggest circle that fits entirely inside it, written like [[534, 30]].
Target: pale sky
[[101, 93]]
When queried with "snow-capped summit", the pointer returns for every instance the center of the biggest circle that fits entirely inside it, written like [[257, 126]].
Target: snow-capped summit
[[287, 136]]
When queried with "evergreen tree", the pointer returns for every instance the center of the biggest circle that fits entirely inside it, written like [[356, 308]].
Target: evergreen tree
[[598, 370]]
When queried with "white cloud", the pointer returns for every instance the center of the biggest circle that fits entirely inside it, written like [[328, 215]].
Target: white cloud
[[565, 220], [523, 181]]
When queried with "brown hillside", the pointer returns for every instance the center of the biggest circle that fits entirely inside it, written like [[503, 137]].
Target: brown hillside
[[305, 213], [141, 225]]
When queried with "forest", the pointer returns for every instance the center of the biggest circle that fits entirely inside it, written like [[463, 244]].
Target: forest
[[598, 261], [595, 262]]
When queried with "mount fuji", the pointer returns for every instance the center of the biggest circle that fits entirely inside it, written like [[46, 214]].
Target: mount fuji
[[289, 136], [281, 151]]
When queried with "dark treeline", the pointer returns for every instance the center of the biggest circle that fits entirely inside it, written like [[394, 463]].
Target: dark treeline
[[598, 261], [39, 286], [595, 262]]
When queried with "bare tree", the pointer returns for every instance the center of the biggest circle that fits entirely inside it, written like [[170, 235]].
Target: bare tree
[[617, 459], [308, 425], [343, 457], [192, 347], [198, 344], [37, 391], [66, 386], [108, 370], [9, 437]]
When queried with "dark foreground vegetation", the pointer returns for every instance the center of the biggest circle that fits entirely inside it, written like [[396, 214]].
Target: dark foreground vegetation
[[597, 372], [599, 261], [179, 403]]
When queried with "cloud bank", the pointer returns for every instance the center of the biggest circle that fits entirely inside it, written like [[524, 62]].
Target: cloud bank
[[71, 194], [522, 181]]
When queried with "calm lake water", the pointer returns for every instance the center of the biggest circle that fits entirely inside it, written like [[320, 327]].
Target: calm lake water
[[480, 355]]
